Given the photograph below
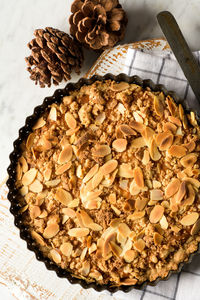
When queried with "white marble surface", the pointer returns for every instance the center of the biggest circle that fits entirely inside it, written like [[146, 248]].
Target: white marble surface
[[18, 19]]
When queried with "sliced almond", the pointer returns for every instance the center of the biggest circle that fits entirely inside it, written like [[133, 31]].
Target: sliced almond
[[119, 145], [39, 124], [124, 230], [36, 186], [95, 227], [30, 140], [24, 164], [66, 249], [55, 256], [86, 219], [19, 172], [129, 281], [69, 212], [164, 140], [106, 245], [138, 117], [130, 255], [175, 121], [193, 181], [100, 118], [156, 213], [177, 151], [112, 198], [146, 157], [62, 169], [188, 160], [139, 245], [191, 196], [138, 142], [78, 232], [126, 171], [153, 151], [126, 130], [139, 127], [189, 219], [53, 114], [24, 190], [158, 106], [156, 184], [138, 176], [52, 183], [134, 189], [38, 238], [74, 203], [140, 203], [51, 230], [136, 215], [157, 238], [172, 187], [92, 248], [65, 155], [115, 248], [70, 120], [196, 227], [181, 192], [63, 196], [118, 87], [148, 134], [190, 146], [86, 268], [169, 127], [29, 176], [44, 214], [97, 178], [34, 211], [116, 210], [156, 194], [101, 150], [91, 173], [163, 222], [109, 167]]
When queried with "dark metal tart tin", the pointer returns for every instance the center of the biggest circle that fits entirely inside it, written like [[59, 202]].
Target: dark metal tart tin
[[16, 153]]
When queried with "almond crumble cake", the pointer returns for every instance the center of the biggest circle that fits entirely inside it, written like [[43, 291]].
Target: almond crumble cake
[[108, 183]]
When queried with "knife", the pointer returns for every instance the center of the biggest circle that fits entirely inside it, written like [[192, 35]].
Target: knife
[[183, 54]]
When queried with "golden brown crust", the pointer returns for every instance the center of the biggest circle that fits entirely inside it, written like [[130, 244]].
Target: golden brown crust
[[108, 183]]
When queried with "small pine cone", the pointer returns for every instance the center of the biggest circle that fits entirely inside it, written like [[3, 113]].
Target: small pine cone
[[54, 54], [97, 24]]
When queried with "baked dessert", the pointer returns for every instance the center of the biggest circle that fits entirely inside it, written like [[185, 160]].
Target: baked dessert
[[108, 183]]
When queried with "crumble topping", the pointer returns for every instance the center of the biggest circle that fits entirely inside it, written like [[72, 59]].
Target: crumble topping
[[108, 183]]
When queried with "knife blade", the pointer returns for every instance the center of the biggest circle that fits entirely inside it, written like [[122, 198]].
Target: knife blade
[[183, 54]]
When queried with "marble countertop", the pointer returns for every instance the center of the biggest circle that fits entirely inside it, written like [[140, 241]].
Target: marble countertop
[[18, 19]]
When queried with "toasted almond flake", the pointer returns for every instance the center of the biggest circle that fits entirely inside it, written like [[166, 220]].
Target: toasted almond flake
[[65, 155], [91, 173], [121, 109], [55, 256], [116, 210], [34, 211], [23, 191], [39, 124], [23, 209], [158, 106], [47, 174], [69, 212], [89, 241], [74, 203], [106, 245], [126, 171], [118, 87], [93, 204], [36, 186], [140, 203], [146, 157], [45, 144], [112, 198], [163, 222], [196, 227], [92, 248], [52, 183], [30, 140], [115, 222], [52, 114], [66, 249], [164, 140], [169, 127], [139, 245], [156, 184], [19, 172], [129, 281], [61, 169], [96, 275], [190, 146], [134, 189], [86, 219], [172, 187], [38, 238], [177, 151], [193, 181], [181, 192], [24, 164], [138, 117], [173, 204], [156, 213], [188, 160], [71, 131], [175, 121], [44, 214], [95, 227], [115, 249], [136, 215], [100, 118], [148, 134], [130, 255], [97, 178], [189, 219], [101, 150], [191, 196], [86, 268], [109, 167], [119, 145], [153, 151], [51, 230], [78, 232], [156, 194], [127, 130], [157, 238], [29, 176], [138, 142], [83, 254], [124, 230], [123, 184], [139, 127], [63, 196], [70, 120], [138, 176]]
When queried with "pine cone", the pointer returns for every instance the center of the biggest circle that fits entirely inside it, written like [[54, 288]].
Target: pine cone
[[54, 54], [97, 24]]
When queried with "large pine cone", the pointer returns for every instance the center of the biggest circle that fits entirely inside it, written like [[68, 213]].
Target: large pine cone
[[54, 54], [97, 24]]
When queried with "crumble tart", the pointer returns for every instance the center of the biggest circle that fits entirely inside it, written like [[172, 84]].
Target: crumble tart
[[108, 183]]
